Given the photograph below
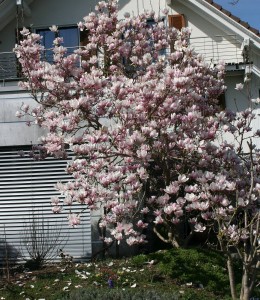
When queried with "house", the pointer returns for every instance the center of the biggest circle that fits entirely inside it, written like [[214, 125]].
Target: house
[[26, 185]]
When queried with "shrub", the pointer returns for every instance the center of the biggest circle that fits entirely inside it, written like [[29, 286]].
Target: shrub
[[139, 260], [41, 240], [202, 268]]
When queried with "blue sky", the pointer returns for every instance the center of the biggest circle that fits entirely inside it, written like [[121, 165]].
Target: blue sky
[[246, 10]]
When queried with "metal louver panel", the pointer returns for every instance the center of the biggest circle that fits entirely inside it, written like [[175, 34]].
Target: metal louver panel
[[26, 187]]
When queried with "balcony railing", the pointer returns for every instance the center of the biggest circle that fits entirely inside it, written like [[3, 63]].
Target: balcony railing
[[9, 68], [214, 49]]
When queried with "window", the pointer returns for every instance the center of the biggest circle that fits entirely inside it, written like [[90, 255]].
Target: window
[[70, 37]]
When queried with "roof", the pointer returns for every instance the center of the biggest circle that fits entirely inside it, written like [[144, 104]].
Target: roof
[[233, 17]]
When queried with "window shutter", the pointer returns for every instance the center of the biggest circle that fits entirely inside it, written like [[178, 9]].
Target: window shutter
[[26, 186], [176, 21]]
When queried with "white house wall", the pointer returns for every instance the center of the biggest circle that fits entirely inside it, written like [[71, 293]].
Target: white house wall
[[207, 37], [237, 100], [240, 100]]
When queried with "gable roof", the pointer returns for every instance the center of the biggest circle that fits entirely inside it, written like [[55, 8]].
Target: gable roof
[[233, 17]]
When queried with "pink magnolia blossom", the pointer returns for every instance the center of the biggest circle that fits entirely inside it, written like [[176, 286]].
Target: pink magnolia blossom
[[199, 227], [74, 219]]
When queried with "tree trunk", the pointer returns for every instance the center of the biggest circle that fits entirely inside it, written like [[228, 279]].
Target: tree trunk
[[245, 289], [171, 240], [231, 277]]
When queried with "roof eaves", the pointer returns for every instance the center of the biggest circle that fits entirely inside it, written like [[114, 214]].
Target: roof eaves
[[233, 17]]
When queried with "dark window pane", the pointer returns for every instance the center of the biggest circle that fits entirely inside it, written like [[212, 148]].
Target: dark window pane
[[70, 37], [47, 41], [47, 37]]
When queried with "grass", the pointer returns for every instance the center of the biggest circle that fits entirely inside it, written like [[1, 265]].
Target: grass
[[164, 275]]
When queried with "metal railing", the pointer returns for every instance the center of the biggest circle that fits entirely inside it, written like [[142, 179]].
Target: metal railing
[[214, 49], [9, 67]]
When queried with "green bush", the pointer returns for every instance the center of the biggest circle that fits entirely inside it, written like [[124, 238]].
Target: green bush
[[202, 268], [139, 260], [114, 294]]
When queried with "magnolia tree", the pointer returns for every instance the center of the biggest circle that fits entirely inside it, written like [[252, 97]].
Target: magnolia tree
[[233, 195], [138, 119], [147, 135]]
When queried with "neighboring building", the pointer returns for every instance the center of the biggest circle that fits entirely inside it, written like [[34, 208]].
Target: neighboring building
[[26, 184]]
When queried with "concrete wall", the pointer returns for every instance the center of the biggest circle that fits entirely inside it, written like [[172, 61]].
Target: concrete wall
[[14, 131]]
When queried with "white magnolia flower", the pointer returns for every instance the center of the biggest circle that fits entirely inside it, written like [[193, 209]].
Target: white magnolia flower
[[239, 86], [256, 101], [199, 227], [53, 28]]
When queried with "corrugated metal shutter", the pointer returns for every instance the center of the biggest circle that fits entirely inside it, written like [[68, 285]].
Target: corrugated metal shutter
[[26, 186]]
